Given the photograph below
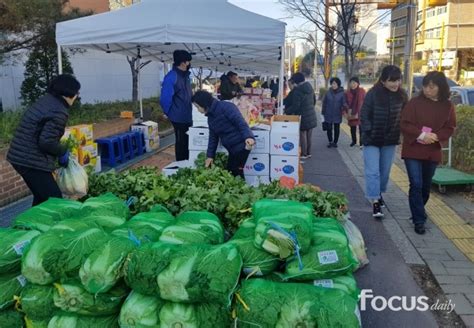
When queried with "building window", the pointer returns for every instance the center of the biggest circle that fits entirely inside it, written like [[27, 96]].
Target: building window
[[419, 16], [430, 12], [442, 10]]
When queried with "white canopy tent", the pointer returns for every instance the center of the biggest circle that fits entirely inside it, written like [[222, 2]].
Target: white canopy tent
[[219, 35]]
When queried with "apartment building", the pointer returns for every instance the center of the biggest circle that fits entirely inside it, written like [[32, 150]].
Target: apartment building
[[445, 30]]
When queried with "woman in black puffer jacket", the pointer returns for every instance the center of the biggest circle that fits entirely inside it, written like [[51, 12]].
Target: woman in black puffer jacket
[[36, 145], [380, 128], [301, 101]]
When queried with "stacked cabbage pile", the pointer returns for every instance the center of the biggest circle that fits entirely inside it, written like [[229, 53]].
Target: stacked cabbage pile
[[71, 264]]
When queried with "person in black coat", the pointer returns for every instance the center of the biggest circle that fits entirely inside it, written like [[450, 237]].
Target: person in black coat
[[380, 128], [36, 146], [230, 86], [301, 101], [334, 103], [227, 124]]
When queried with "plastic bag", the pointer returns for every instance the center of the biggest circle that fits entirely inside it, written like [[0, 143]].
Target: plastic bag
[[356, 243], [73, 179]]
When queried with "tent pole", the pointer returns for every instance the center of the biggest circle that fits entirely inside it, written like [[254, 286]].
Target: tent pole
[[60, 60], [281, 80], [139, 83]]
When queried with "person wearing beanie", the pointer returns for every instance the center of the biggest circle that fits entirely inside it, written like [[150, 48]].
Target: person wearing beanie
[[354, 99], [230, 86], [227, 125], [301, 101], [175, 99], [36, 148], [333, 106]]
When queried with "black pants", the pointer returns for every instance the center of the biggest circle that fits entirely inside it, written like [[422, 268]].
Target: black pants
[[305, 141], [236, 163], [41, 183], [181, 147], [336, 132], [354, 135]]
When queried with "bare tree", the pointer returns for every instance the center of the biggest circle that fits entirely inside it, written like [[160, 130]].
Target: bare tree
[[199, 74], [343, 32], [135, 66]]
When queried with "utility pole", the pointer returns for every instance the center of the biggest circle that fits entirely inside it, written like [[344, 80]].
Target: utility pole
[[410, 45], [315, 66]]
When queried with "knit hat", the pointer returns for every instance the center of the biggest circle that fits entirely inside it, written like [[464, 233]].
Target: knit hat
[[297, 78], [181, 56], [355, 79], [64, 85]]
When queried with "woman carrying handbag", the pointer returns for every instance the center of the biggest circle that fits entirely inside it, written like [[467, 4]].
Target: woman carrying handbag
[[354, 99]]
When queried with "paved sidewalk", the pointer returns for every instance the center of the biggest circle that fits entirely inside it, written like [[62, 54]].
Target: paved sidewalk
[[388, 273], [453, 270]]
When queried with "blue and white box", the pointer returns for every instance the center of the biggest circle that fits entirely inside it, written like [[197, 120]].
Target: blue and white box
[[284, 166], [257, 165], [285, 135]]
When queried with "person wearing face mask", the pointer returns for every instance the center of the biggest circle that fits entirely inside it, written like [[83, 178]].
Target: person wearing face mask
[[427, 120], [230, 86], [333, 106], [175, 100], [380, 127], [227, 125], [36, 145]]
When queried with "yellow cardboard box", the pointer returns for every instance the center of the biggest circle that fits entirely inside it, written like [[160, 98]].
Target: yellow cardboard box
[[88, 154], [84, 134]]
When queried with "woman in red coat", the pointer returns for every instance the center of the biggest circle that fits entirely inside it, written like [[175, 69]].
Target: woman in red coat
[[354, 98], [427, 120]]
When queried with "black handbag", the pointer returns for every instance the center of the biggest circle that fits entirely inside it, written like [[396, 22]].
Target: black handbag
[[325, 126]]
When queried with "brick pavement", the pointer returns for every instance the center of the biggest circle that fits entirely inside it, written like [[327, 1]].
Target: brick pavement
[[447, 247]]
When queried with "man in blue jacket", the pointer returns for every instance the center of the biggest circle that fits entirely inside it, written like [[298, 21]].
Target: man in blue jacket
[[175, 100], [227, 124]]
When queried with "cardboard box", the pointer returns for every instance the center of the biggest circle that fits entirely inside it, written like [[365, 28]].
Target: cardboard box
[[287, 166], [199, 120], [88, 154], [247, 91], [285, 135], [84, 134], [256, 180], [257, 164], [262, 142], [199, 139], [172, 168], [150, 133]]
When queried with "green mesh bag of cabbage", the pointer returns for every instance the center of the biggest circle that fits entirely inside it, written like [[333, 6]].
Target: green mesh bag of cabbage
[[329, 255], [69, 320], [283, 227], [107, 204], [268, 304], [141, 311], [43, 216], [194, 227], [256, 261], [12, 244], [11, 319], [185, 273], [146, 226], [37, 303], [346, 283]]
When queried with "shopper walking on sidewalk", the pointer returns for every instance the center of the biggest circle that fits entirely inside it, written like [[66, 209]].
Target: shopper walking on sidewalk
[[354, 99], [332, 109], [380, 126], [427, 120], [301, 102], [227, 125], [36, 147], [175, 100]]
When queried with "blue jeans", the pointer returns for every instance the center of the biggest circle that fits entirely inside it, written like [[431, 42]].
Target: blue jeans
[[377, 164], [420, 174]]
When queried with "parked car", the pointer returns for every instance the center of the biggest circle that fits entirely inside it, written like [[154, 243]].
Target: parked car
[[418, 83], [462, 96]]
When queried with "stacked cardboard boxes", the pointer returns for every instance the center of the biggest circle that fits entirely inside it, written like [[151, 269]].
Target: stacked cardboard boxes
[[257, 167], [284, 148], [84, 149], [150, 132]]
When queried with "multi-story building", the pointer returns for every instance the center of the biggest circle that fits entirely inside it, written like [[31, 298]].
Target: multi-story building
[[445, 29]]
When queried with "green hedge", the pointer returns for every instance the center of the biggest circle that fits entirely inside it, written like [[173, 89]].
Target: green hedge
[[463, 141], [85, 113]]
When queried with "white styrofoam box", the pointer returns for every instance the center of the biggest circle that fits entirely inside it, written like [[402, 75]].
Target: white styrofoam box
[[284, 144], [149, 129], [199, 120], [256, 180], [172, 168], [257, 164], [285, 135], [199, 138], [262, 142], [287, 166]]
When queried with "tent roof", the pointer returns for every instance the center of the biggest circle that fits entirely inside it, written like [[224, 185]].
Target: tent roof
[[218, 34]]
